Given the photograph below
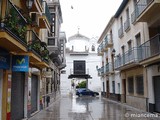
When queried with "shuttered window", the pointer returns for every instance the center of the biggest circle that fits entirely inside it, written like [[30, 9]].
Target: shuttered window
[[130, 85], [139, 84]]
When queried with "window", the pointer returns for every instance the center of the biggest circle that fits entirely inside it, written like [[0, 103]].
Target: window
[[51, 41], [138, 39], [111, 35], [119, 88], [113, 86], [127, 13], [72, 47], [129, 47], [93, 48], [130, 85], [139, 85]]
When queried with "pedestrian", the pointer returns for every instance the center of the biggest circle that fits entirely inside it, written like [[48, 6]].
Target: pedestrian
[[48, 100]]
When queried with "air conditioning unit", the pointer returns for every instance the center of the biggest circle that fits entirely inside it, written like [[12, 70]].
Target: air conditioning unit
[[34, 18]]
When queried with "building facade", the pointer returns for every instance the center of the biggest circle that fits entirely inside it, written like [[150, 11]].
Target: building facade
[[80, 49], [25, 57], [135, 60]]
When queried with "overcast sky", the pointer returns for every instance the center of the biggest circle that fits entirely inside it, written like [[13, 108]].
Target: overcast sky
[[91, 16]]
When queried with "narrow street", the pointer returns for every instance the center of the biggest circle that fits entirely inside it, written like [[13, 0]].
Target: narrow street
[[90, 108]]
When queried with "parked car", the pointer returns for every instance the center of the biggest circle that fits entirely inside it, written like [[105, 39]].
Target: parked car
[[85, 92]]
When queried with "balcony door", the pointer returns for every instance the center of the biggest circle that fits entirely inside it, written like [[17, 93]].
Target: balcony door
[[123, 55]]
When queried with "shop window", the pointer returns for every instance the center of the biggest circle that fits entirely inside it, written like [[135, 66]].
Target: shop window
[[130, 85], [139, 85]]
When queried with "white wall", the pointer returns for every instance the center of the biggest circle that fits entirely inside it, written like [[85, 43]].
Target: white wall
[[92, 60], [1, 82], [79, 45]]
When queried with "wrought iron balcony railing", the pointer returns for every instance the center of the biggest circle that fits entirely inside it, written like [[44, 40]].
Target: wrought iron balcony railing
[[108, 68], [37, 46], [100, 47], [131, 56], [151, 48], [142, 5], [14, 23], [101, 71], [108, 40]]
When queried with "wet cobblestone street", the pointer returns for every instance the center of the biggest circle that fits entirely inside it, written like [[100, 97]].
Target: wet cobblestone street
[[91, 108]]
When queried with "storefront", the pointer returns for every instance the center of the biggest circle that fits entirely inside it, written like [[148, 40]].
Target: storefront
[[34, 93], [4, 65], [20, 66]]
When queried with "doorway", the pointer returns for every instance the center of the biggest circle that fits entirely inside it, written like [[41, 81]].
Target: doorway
[[107, 89], [124, 90], [156, 93], [17, 95]]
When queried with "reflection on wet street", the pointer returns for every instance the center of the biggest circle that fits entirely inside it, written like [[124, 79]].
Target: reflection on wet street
[[90, 108]]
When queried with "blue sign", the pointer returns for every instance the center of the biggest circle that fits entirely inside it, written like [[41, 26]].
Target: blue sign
[[4, 60], [20, 63]]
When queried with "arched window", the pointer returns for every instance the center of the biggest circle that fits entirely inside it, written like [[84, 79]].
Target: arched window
[[93, 48]]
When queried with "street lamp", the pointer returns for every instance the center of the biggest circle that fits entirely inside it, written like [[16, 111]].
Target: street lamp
[[29, 3]]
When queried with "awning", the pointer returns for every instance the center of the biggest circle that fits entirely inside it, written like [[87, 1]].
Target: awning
[[85, 76]]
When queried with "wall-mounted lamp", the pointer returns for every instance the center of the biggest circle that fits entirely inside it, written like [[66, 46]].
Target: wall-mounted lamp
[[29, 3]]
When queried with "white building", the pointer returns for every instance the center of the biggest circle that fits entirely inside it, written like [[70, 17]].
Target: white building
[[81, 48]]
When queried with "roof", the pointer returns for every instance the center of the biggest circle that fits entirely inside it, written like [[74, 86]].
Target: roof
[[120, 9], [78, 36]]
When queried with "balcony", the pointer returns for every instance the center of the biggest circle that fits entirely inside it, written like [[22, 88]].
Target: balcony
[[120, 32], [108, 68], [54, 49], [38, 51], [146, 9], [129, 59], [45, 18], [82, 74], [53, 45], [127, 25], [134, 16], [13, 30], [100, 49], [151, 50], [101, 71], [108, 42]]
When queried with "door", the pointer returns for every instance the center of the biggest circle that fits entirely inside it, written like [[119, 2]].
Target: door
[[17, 95], [157, 93], [124, 89], [1, 82], [107, 89], [34, 91]]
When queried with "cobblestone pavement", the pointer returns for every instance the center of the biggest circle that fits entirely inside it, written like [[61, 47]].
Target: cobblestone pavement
[[91, 108]]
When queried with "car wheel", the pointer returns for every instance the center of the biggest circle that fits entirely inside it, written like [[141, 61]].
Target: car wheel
[[80, 95]]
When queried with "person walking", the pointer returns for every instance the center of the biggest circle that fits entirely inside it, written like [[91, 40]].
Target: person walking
[[48, 100]]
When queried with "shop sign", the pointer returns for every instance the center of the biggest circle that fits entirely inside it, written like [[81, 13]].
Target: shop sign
[[20, 63]]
